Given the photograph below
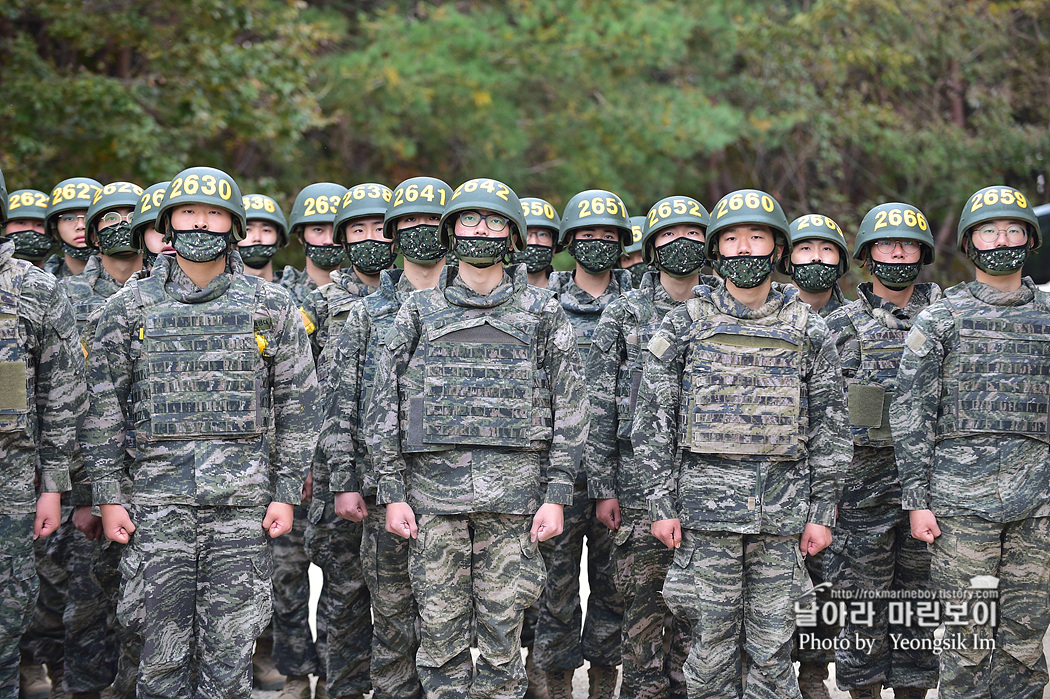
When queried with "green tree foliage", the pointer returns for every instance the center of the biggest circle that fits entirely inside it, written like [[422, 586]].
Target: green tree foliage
[[831, 105]]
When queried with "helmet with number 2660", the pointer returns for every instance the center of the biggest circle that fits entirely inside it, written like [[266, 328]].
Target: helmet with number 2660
[[747, 206]]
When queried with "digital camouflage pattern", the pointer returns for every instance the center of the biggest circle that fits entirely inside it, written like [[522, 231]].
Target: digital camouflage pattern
[[324, 309], [56, 266], [583, 309], [741, 514], [614, 370], [563, 640], [88, 291], [836, 301], [297, 282], [196, 586], [43, 394], [227, 474], [473, 485], [990, 490]]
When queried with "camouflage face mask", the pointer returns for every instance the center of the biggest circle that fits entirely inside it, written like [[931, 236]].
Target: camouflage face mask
[[746, 271], [325, 256], [681, 258], [536, 258], [371, 256], [815, 276], [896, 275], [637, 272], [116, 241], [76, 253], [148, 258], [481, 252], [998, 262], [200, 246], [421, 244], [257, 256], [596, 256], [30, 245]]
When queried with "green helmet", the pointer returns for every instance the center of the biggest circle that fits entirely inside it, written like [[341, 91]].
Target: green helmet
[[593, 208], [489, 195], [69, 195], [369, 199], [316, 203], [29, 204], [996, 202], [259, 207], [816, 227], [671, 211], [747, 206], [540, 213], [202, 185], [112, 196], [146, 212], [895, 221], [418, 195], [3, 199], [637, 226]]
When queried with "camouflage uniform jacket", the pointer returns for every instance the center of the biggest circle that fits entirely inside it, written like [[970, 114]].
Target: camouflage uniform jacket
[[1002, 477], [298, 283], [614, 370], [872, 478], [37, 330], [583, 309], [56, 266], [836, 302], [207, 470], [88, 291], [352, 357], [746, 494], [467, 478], [325, 308]]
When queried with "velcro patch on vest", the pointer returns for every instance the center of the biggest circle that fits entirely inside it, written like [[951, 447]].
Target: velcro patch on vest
[[660, 348], [917, 342]]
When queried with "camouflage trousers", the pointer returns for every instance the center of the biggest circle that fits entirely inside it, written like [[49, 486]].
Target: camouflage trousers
[[559, 643], [815, 568], [197, 587], [725, 584], [473, 565], [334, 544], [89, 643], [395, 615], [294, 649], [881, 555], [641, 562], [42, 641], [105, 571], [18, 583], [1018, 554]]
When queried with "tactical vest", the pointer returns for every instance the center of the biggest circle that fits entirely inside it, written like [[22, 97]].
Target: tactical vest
[[645, 321], [998, 376], [201, 372], [474, 379], [16, 389], [870, 391], [742, 388]]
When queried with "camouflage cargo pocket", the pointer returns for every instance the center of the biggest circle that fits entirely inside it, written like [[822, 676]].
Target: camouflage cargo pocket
[[315, 538], [262, 568], [679, 590], [20, 587], [532, 573], [836, 562], [623, 561], [131, 602]]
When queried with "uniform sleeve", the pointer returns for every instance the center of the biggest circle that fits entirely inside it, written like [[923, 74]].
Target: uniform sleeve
[[383, 414], [916, 405], [846, 343], [569, 403], [61, 395], [340, 440], [829, 443], [601, 456], [296, 402], [109, 377], [314, 316], [654, 435], [80, 493]]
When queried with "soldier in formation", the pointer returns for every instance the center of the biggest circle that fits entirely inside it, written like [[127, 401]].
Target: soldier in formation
[[27, 210], [971, 440], [267, 233], [542, 222]]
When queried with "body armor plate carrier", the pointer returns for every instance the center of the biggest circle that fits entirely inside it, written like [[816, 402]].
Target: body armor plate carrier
[[870, 391], [15, 389]]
